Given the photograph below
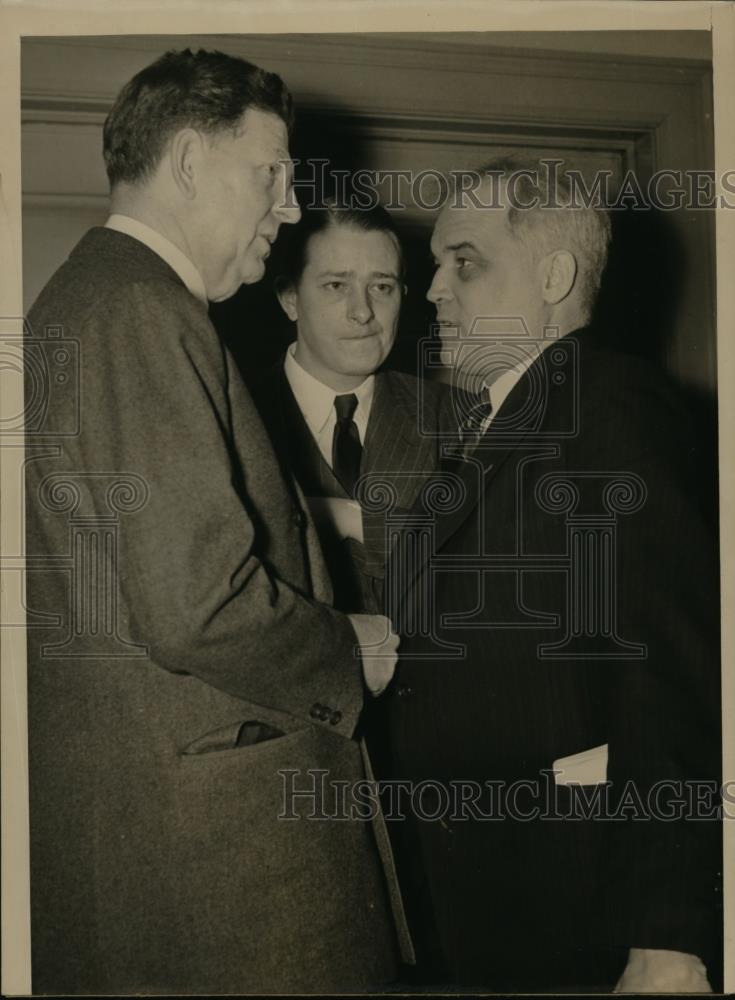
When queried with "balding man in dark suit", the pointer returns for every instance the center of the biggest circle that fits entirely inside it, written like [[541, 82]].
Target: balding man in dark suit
[[567, 683]]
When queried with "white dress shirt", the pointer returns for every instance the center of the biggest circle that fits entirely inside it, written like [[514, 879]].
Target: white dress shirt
[[500, 388], [316, 402], [175, 258]]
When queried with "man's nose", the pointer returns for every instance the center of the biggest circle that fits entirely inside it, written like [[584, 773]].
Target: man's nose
[[438, 291], [286, 209], [360, 306]]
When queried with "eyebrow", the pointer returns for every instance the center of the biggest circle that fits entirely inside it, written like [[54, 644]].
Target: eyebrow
[[349, 274], [453, 248], [463, 245]]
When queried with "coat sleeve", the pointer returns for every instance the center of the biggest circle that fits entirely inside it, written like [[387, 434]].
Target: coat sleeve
[[193, 569], [663, 709]]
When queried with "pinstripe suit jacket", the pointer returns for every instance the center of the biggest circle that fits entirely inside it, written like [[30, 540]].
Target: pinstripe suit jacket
[[409, 418]]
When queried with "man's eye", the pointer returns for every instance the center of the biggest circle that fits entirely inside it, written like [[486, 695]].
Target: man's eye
[[384, 287], [465, 268], [334, 285]]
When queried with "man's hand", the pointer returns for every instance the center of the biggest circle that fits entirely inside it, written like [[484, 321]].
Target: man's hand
[[658, 971], [378, 648]]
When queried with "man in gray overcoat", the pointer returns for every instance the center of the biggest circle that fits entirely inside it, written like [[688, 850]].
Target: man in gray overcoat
[[182, 646]]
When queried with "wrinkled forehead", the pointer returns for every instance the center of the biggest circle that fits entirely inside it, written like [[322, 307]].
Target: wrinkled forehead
[[463, 221]]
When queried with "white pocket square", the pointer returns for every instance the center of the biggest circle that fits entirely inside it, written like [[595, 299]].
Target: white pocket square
[[586, 768], [344, 517]]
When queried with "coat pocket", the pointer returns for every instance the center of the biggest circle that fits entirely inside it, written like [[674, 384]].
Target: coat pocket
[[236, 738]]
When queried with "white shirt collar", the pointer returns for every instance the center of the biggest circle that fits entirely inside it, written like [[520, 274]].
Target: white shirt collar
[[316, 400], [165, 249], [501, 387]]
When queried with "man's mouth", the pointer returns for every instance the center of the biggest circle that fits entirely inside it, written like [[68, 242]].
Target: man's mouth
[[362, 335]]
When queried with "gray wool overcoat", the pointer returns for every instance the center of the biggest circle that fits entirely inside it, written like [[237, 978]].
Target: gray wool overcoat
[[180, 657]]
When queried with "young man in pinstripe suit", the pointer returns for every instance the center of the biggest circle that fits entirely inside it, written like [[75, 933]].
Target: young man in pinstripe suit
[[341, 422]]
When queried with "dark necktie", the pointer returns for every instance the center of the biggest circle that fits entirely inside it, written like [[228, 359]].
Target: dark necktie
[[346, 447], [472, 427]]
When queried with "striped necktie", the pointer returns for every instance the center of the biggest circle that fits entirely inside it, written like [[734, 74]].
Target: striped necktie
[[474, 425]]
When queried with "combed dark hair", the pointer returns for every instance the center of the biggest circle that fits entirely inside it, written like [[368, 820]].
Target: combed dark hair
[[208, 91], [294, 245]]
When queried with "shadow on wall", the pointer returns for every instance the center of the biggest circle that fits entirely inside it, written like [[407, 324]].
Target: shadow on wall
[[635, 312]]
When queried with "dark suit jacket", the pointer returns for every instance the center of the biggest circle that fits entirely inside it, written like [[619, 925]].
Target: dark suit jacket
[[180, 654], [408, 419], [515, 682]]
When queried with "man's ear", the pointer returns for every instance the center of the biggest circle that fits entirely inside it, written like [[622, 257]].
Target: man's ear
[[559, 273], [185, 157], [288, 298]]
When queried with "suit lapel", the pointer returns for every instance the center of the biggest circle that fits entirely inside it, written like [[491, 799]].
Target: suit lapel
[[395, 452], [528, 414], [470, 478], [394, 443], [314, 475]]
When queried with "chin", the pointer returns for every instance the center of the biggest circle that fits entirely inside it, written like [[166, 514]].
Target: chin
[[225, 289], [222, 296], [366, 358], [253, 271]]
